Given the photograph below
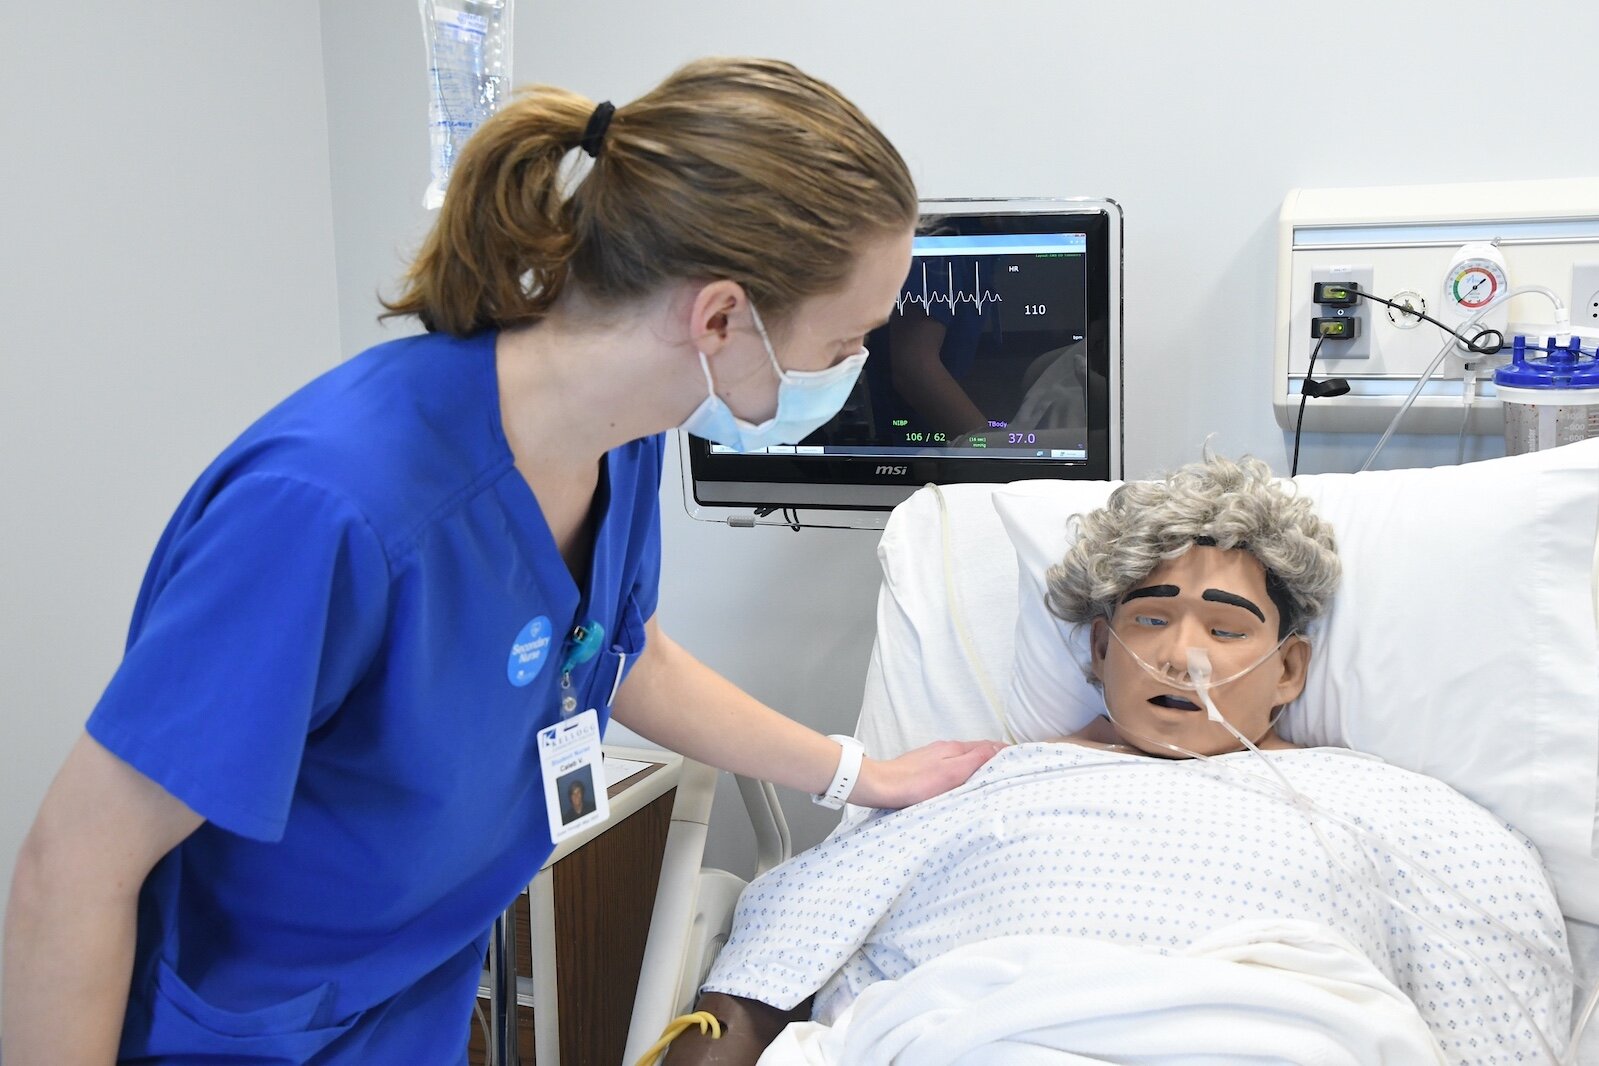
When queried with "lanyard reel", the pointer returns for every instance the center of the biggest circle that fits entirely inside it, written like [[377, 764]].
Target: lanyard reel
[[570, 759], [583, 644]]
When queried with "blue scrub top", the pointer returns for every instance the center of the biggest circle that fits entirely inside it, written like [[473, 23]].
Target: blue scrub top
[[339, 659]]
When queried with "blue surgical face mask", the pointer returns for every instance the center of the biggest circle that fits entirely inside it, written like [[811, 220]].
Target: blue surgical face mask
[[805, 400]]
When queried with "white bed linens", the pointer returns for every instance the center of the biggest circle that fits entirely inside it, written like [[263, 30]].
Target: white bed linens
[[1063, 840], [1287, 992]]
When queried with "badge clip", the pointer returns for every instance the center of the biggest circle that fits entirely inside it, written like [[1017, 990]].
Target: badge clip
[[583, 644]]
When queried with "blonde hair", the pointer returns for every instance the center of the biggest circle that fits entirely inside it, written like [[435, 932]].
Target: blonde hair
[[1217, 501], [740, 169]]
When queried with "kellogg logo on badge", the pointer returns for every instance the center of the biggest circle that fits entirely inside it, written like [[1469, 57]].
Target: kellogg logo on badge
[[529, 652]]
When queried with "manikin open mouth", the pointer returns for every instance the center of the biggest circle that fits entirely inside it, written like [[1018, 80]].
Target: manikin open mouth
[[1176, 703]]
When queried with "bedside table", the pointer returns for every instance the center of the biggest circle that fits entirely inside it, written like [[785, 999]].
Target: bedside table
[[578, 933]]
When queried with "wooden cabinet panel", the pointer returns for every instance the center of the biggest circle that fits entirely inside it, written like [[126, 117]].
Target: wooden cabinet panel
[[604, 895]]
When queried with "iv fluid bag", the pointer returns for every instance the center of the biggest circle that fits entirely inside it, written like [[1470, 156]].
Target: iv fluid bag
[[469, 74]]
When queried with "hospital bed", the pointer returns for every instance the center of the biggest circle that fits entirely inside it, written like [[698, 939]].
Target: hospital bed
[[1470, 601]]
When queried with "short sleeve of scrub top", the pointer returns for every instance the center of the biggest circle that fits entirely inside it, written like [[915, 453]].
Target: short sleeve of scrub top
[[270, 607], [344, 648]]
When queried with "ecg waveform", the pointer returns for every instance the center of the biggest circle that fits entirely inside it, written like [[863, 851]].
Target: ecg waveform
[[977, 297]]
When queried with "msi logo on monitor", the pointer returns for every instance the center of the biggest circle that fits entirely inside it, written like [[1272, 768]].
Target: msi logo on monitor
[[893, 471]]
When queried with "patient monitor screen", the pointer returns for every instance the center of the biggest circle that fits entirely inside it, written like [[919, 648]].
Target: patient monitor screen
[[1000, 362], [983, 356], [984, 352]]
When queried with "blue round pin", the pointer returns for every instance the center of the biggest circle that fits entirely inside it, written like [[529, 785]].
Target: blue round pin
[[529, 652]]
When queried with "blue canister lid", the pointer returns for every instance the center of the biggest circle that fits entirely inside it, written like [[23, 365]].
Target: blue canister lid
[[1555, 367]]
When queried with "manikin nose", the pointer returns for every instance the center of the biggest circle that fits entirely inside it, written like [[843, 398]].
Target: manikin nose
[[1172, 645]]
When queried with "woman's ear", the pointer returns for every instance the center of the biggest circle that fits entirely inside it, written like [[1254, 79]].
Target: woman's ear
[[710, 309], [1098, 646]]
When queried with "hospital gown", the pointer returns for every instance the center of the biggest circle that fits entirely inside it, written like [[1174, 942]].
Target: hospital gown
[[1152, 853]]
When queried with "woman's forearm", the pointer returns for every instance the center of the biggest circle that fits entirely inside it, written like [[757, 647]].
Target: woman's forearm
[[73, 915], [680, 703], [68, 956], [676, 701]]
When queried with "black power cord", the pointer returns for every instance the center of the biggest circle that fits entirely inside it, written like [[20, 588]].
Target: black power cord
[[1311, 387], [1486, 342], [790, 517], [1477, 345]]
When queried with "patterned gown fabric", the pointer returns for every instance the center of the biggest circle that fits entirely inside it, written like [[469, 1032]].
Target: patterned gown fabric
[[1062, 840]]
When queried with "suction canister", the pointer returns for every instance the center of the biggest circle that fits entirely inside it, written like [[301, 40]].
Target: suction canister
[[1550, 395]]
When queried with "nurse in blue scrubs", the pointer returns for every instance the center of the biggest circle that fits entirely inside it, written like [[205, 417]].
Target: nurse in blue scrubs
[[313, 782]]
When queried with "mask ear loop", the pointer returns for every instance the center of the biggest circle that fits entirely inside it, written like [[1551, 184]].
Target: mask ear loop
[[766, 342], [705, 367]]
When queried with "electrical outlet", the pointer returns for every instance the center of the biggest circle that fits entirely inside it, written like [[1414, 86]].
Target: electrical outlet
[[1360, 346], [1584, 302]]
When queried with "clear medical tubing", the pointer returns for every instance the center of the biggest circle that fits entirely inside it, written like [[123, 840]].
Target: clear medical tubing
[[1181, 678], [1575, 1047], [1199, 681], [1283, 789], [1449, 346], [959, 619]]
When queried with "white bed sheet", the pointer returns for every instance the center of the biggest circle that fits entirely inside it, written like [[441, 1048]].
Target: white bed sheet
[[1262, 992], [1058, 839]]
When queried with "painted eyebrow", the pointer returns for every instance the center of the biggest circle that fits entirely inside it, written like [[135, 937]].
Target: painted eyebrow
[[1219, 596], [1161, 591]]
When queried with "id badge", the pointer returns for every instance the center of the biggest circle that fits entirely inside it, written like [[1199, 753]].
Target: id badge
[[574, 775]]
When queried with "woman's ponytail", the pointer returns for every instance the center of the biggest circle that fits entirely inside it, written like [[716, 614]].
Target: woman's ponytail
[[743, 169], [499, 252]]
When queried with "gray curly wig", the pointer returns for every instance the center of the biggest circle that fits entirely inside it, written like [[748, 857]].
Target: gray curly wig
[[1214, 502]]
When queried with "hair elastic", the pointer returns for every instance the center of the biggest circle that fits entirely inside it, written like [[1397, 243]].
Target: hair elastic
[[594, 133]]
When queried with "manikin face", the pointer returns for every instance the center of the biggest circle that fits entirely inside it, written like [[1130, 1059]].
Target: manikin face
[[1206, 598]]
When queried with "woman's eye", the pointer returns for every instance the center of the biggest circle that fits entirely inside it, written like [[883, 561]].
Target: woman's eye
[[1148, 620], [1226, 634]]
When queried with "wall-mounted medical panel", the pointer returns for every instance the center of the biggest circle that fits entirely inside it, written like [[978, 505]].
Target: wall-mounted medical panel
[[1450, 250]]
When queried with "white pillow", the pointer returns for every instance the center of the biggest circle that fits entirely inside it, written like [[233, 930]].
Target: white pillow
[[929, 678], [1461, 643]]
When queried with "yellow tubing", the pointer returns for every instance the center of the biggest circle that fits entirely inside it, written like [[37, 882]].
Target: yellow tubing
[[676, 1028]]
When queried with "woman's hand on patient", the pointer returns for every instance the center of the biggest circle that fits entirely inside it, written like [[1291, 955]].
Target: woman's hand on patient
[[920, 774]]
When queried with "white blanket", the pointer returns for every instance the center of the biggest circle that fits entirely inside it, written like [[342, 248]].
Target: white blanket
[[1263, 992], [1060, 840]]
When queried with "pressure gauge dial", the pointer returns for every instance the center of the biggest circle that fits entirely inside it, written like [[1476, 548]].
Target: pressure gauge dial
[[1476, 284], [1475, 278]]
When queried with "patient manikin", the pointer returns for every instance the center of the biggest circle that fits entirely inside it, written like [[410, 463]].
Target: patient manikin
[[1205, 615], [1196, 590]]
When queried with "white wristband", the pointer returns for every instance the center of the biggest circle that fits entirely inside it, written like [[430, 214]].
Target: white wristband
[[848, 772]]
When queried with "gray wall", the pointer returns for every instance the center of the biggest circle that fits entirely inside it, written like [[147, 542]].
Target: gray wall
[[172, 207], [166, 245]]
